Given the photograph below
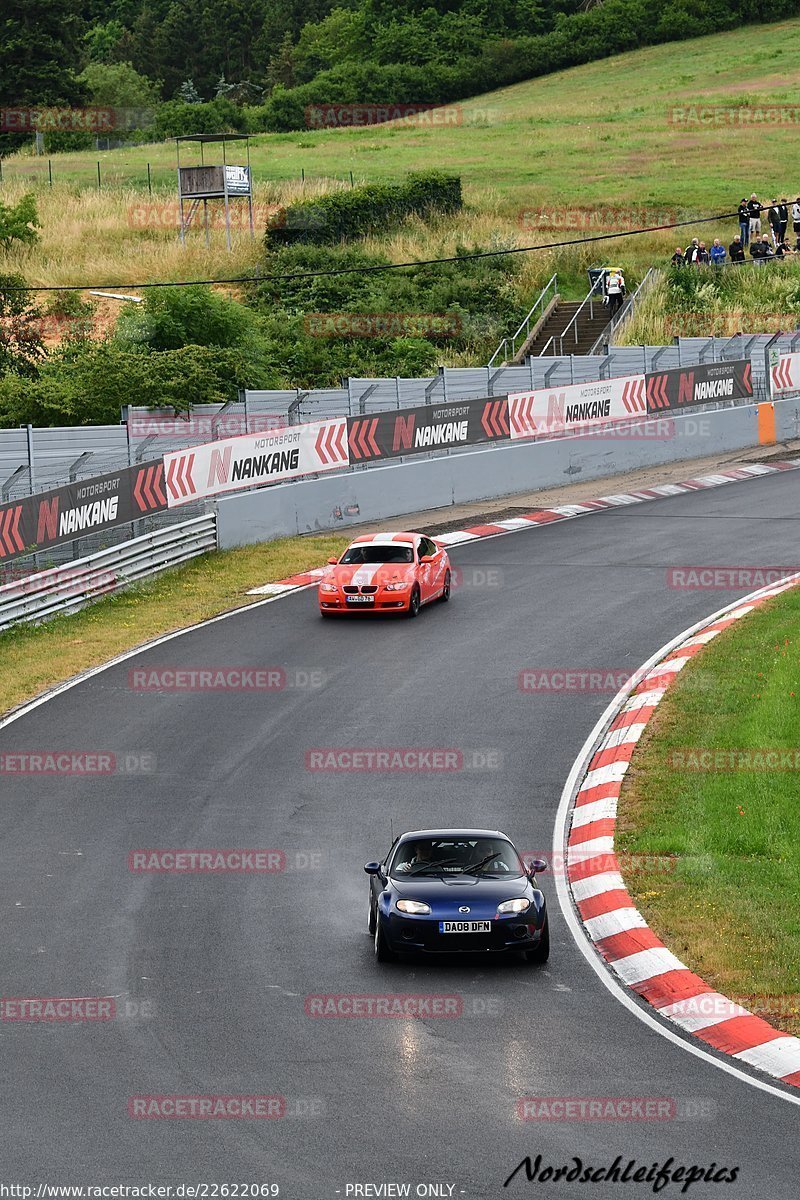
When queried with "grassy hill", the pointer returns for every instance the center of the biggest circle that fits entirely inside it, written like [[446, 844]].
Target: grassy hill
[[534, 158]]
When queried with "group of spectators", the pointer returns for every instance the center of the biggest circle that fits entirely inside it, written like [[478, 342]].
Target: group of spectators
[[762, 245]]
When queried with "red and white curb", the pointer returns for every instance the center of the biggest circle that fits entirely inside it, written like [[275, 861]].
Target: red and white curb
[[609, 917], [562, 512]]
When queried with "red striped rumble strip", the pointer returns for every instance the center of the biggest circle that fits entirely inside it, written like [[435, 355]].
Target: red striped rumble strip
[[616, 927], [562, 512]]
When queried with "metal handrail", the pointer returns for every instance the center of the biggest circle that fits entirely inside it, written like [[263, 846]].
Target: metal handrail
[[627, 309], [589, 299], [526, 323]]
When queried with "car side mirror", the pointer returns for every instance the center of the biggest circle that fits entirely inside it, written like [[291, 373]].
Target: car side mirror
[[333, 561], [374, 868], [426, 558], [537, 865]]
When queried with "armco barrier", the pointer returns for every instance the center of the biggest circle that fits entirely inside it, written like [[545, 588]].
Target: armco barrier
[[504, 469], [67, 588]]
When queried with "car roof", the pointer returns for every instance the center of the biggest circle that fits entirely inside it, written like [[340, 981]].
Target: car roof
[[453, 833], [386, 536]]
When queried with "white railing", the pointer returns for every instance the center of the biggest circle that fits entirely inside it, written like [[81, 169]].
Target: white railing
[[69, 587], [508, 347]]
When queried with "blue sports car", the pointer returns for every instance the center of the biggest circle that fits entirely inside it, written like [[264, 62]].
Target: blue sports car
[[456, 891]]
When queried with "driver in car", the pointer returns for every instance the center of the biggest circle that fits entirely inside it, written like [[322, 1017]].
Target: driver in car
[[423, 852]]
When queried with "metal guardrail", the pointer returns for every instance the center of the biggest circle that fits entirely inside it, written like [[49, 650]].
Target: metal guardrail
[[502, 349], [68, 588]]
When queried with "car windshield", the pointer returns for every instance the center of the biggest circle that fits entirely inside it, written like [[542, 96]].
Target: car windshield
[[371, 553], [480, 856]]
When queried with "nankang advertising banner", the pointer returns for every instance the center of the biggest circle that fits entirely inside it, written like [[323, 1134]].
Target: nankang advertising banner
[[571, 408], [254, 460], [430, 427], [77, 509], [706, 383]]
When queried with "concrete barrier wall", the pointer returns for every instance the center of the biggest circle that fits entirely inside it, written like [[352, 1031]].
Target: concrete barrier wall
[[379, 493]]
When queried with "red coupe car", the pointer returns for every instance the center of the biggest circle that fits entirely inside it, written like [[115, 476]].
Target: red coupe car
[[386, 572]]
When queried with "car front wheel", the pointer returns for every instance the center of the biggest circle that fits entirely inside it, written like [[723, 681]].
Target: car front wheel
[[414, 601], [446, 589], [373, 915]]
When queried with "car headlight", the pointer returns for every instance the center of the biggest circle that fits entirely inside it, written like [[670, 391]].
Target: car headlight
[[514, 906], [399, 585], [328, 587], [413, 906]]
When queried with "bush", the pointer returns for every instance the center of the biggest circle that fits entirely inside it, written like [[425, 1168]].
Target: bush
[[172, 317], [19, 222], [360, 211]]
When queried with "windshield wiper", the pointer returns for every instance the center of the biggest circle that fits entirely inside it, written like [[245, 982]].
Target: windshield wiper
[[484, 861], [422, 868]]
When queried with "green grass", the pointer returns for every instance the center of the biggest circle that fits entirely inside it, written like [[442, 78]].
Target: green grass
[[35, 657], [729, 904], [596, 134]]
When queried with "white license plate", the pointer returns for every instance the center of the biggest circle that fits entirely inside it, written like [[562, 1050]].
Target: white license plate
[[360, 599], [465, 927]]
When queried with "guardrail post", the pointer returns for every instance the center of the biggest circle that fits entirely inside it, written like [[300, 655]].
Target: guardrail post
[[767, 365], [31, 470]]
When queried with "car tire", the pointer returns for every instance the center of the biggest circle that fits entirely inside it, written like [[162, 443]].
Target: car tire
[[541, 953], [414, 601], [383, 952], [372, 919], [445, 596]]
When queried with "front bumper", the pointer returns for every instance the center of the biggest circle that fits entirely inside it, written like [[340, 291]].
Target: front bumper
[[382, 602], [421, 935]]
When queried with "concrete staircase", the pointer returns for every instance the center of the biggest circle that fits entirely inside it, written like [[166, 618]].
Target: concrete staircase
[[549, 340]]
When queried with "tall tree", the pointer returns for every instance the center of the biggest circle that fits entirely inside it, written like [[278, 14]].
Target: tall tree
[[40, 56]]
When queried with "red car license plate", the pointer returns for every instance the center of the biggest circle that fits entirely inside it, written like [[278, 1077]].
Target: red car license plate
[[360, 599]]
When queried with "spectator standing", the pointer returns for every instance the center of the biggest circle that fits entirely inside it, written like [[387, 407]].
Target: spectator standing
[[703, 257], [736, 250], [717, 253], [783, 223], [690, 256], [744, 221], [754, 208], [677, 259], [774, 218], [796, 217]]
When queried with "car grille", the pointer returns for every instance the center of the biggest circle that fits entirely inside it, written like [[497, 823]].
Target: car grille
[[367, 590], [350, 591]]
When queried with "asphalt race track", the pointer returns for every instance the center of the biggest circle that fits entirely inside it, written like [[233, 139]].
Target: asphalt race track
[[223, 963]]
